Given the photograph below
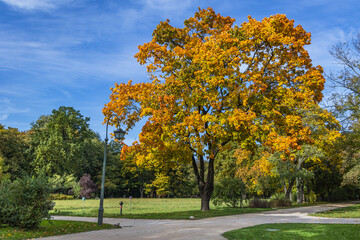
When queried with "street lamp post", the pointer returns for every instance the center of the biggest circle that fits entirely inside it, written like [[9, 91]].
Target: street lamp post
[[119, 134]]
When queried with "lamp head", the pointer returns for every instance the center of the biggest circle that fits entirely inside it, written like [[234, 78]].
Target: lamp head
[[119, 133]]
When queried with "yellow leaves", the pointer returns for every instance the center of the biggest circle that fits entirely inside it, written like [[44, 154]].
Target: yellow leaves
[[161, 183], [241, 120], [212, 83], [151, 68], [251, 170], [283, 144]]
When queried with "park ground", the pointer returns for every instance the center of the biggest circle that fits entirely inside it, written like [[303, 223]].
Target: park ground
[[209, 228]]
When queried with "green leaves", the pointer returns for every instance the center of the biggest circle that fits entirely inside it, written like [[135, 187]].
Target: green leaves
[[25, 202], [230, 191], [59, 140], [14, 156]]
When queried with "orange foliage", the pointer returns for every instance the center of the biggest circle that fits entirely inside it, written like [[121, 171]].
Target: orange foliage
[[212, 82]]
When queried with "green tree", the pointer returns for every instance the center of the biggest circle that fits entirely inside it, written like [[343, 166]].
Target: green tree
[[346, 105], [14, 157], [225, 161], [114, 170], [92, 158], [59, 142], [349, 147], [230, 191], [64, 184]]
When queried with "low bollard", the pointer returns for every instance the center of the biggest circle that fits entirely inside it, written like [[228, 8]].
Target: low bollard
[[121, 203]]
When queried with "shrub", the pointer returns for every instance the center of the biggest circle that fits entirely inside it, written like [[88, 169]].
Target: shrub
[[60, 196], [65, 184], [229, 191], [277, 196], [259, 203], [75, 191], [280, 203], [312, 197], [279, 200], [88, 187], [25, 202]]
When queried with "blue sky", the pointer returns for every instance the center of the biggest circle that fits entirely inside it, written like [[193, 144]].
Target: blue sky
[[71, 52]]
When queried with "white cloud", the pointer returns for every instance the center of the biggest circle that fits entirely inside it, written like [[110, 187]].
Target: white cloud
[[31, 5], [6, 111], [321, 43], [3, 116]]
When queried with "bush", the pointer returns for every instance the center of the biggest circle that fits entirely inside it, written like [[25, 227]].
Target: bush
[[25, 202], [341, 194], [229, 191], [279, 200], [60, 196], [65, 184], [277, 196], [280, 203], [88, 187], [75, 191], [259, 203], [312, 197]]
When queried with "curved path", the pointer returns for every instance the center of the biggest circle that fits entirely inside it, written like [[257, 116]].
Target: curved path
[[209, 229]]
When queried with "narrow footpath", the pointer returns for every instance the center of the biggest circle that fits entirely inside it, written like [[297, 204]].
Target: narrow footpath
[[202, 229]]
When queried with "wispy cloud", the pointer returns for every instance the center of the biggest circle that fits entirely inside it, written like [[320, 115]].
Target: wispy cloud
[[32, 5], [167, 5], [42, 58], [322, 42], [6, 109]]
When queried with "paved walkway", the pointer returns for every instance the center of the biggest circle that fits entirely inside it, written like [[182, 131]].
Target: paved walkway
[[203, 229]]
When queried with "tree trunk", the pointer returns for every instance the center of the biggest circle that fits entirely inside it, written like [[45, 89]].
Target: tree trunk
[[205, 200], [206, 189], [288, 189], [141, 192], [300, 190]]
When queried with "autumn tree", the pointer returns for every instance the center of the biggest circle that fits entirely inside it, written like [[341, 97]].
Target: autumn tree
[[287, 165], [211, 83]]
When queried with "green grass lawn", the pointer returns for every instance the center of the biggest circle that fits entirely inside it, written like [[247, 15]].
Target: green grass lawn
[[296, 231], [346, 212], [154, 208], [50, 229]]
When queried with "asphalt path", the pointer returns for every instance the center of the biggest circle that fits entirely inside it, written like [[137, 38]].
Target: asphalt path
[[202, 229]]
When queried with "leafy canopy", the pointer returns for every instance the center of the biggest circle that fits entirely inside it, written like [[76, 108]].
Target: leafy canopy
[[212, 82], [59, 141]]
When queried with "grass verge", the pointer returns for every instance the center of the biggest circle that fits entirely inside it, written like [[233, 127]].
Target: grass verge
[[346, 212], [164, 208], [296, 231], [50, 228]]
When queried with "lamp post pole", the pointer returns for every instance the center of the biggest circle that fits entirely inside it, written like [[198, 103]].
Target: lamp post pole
[[101, 208], [119, 134]]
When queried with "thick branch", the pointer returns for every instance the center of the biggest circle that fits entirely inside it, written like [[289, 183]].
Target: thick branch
[[196, 170]]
